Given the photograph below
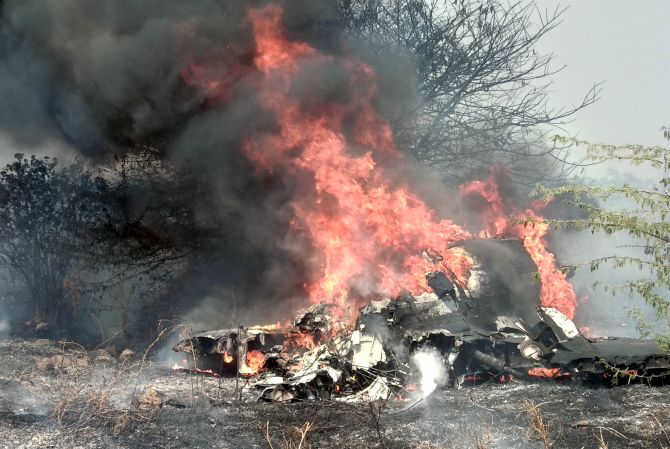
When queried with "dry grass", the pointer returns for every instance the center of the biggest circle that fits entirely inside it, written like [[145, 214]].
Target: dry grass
[[537, 426], [665, 434], [287, 437], [76, 404], [113, 404], [82, 396], [600, 439], [353, 425], [602, 444], [484, 439]]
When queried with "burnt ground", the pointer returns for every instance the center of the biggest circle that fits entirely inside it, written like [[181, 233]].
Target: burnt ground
[[89, 399]]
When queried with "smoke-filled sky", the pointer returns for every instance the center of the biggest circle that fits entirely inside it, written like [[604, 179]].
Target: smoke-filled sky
[[620, 42]]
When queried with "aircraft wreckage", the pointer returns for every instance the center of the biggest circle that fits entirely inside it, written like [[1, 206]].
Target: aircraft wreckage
[[489, 329]]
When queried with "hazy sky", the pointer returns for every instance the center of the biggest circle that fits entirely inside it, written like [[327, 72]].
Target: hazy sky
[[626, 44]]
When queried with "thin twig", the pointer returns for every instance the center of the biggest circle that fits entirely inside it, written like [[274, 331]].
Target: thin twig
[[662, 429]]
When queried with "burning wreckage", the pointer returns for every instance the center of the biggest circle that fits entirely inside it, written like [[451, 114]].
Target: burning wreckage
[[488, 329], [474, 316]]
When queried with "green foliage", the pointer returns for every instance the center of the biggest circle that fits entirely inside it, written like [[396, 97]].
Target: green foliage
[[646, 221]]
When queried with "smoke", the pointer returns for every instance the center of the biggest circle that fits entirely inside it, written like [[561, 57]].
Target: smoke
[[4, 324], [431, 368], [98, 76], [5, 327], [103, 79], [20, 401], [603, 312], [100, 79]]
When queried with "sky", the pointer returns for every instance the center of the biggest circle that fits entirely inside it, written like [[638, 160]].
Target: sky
[[626, 45]]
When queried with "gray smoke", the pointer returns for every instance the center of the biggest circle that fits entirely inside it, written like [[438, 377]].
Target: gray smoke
[[99, 79], [4, 323], [103, 76]]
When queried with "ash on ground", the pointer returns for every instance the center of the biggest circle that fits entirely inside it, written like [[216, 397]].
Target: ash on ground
[[57, 395]]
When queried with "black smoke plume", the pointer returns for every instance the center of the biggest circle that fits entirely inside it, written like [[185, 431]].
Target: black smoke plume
[[107, 78]]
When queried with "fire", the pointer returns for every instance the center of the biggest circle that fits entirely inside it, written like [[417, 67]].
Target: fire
[[549, 373], [206, 372], [367, 234], [366, 231], [555, 291], [299, 340], [227, 358], [255, 361], [274, 327]]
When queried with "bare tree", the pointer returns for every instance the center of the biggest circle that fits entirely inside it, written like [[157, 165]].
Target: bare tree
[[149, 238], [483, 88]]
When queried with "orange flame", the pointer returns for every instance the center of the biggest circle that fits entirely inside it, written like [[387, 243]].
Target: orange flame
[[369, 235], [299, 340], [549, 373], [255, 361], [205, 372], [555, 291], [227, 357]]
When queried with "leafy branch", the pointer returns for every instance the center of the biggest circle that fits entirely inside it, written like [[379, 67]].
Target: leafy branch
[[646, 221]]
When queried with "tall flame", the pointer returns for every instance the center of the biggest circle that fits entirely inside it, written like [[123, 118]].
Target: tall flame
[[370, 235], [555, 290]]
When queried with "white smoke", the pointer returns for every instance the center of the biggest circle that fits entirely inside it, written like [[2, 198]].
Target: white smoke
[[431, 367], [4, 318]]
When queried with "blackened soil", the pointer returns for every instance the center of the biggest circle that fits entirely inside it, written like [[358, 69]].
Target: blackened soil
[[96, 406]]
